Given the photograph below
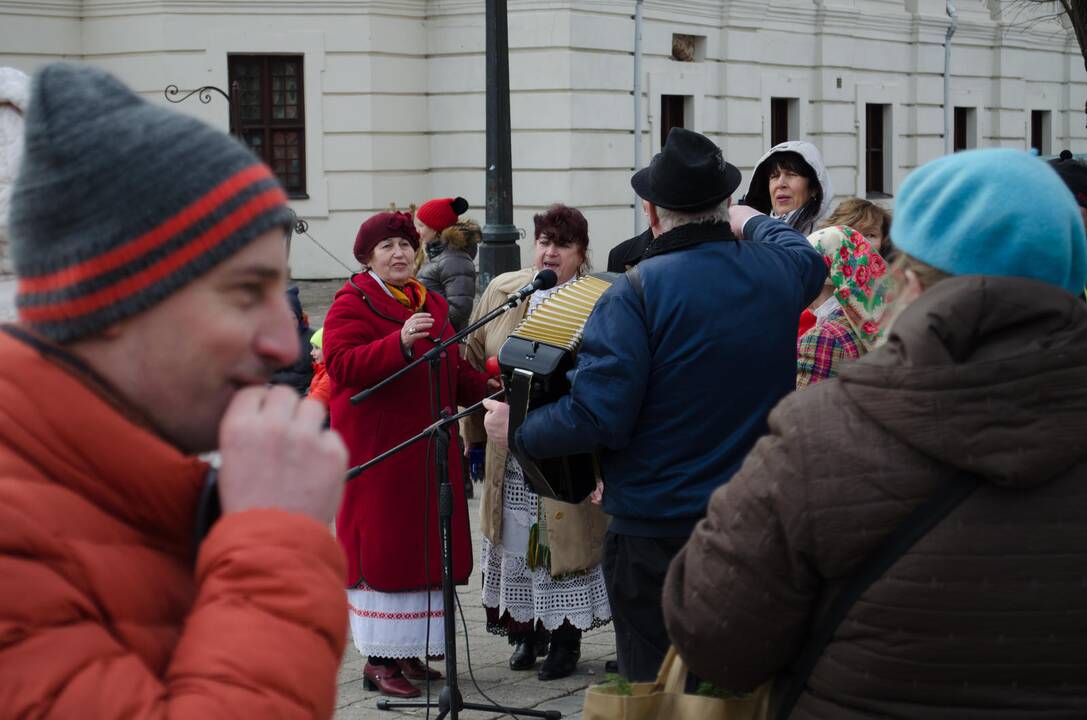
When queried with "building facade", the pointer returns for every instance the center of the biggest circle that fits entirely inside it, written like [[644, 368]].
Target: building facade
[[365, 104]]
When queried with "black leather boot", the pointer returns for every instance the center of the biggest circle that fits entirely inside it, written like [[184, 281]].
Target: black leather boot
[[528, 647], [524, 652], [565, 653]]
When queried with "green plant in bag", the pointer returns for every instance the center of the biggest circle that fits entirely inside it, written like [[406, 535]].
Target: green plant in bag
[[708, 689], [615, 684]]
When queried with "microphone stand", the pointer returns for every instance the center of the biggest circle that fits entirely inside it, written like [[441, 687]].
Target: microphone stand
[[429, 430], [450, 701]]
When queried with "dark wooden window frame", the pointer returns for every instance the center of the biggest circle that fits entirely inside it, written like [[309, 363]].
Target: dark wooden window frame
[[672, 114], [779, 120], [267, 126], [875, 150], [1037, 130], [961, 122]]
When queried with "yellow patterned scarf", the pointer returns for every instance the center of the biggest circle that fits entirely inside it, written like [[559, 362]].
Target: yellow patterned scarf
[[412, 295]]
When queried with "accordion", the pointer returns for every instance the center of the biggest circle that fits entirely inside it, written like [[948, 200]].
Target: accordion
[[534, 362]]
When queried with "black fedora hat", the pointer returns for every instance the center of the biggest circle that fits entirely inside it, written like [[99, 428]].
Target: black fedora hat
[[689, 173]]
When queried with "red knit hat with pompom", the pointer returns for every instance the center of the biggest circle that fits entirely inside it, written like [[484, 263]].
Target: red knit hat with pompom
[[440, 213]]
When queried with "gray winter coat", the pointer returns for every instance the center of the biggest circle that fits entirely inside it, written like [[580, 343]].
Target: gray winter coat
[[451, 270]]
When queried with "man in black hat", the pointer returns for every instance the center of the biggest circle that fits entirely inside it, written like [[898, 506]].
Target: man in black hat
[[679, 367]]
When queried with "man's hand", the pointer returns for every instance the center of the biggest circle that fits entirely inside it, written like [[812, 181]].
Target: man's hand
[[276, 454], [496, 422], [738, 215]]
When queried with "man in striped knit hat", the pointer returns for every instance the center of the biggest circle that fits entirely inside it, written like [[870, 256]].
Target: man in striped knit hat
[[151, 261]]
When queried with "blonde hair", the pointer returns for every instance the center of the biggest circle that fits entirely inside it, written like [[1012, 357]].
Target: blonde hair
[[927, 274], [420, 259], [856, 211], [896, 303]]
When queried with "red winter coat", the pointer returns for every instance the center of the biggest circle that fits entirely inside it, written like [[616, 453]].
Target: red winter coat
[[383, 520], [104, 610]]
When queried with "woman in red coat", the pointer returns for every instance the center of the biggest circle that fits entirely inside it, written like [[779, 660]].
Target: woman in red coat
[[388, 524]]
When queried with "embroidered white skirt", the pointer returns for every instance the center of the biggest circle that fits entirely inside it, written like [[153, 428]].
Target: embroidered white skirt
[[528, 595], [394, 625]]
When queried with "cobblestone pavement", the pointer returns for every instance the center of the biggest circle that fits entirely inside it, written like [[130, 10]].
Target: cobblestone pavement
[[490, 655], [316, 297]]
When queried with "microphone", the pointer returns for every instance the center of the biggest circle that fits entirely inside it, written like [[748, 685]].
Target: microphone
[[208, 508], [543, 280]]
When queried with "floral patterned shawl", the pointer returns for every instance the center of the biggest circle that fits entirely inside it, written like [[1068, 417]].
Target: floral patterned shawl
[[859, 276]]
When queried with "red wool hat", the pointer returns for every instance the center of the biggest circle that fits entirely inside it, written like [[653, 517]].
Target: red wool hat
[[440, 213], [380, 227]]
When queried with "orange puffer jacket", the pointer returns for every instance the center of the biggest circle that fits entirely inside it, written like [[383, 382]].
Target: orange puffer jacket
[[103, 611]]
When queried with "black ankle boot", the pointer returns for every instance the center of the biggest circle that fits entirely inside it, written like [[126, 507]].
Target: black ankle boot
[[528, 647], [565, 653], [524, 651]]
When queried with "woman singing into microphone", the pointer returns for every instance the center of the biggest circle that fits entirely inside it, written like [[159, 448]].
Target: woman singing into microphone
[[540, 557], [380, 320]]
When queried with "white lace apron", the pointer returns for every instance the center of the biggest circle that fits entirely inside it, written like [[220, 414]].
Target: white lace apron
[[509, 585]]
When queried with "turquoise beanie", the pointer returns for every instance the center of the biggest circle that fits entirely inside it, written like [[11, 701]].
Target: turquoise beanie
[[992, 212]]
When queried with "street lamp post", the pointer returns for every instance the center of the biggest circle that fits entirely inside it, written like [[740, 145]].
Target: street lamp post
[[499, 252]]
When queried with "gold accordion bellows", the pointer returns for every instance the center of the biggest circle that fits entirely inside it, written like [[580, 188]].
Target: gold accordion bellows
[[534, 361], [560, 319]]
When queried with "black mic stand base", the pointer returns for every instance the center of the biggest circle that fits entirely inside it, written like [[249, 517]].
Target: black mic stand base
[[445, 705]]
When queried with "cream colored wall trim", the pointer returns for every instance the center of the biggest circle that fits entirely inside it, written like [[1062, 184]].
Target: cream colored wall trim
[[49, 8], [106, 8]]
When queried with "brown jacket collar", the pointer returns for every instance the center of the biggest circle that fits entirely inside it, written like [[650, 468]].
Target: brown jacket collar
[[986, 374]]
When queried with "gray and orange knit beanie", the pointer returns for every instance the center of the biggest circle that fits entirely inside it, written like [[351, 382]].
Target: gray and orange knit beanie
[[120, 203]]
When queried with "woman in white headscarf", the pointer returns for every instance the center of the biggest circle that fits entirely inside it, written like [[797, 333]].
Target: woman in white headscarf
[[791, 183]]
